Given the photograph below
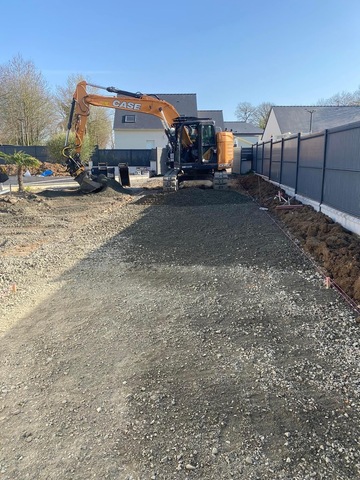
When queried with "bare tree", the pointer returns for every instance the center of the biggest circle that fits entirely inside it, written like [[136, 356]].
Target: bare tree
[[99, 125], [258, 115], [356, 97], [245, 112], [26, 108], [262, 113], [63, 98], [342, 99]]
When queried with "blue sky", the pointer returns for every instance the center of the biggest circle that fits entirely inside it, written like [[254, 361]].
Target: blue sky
[[285, 52]]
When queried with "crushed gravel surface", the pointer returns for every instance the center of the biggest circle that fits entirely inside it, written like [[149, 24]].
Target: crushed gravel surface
[[169, 336]]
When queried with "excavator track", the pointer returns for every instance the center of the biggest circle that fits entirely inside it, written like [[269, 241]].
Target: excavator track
[[220, 180], [170, 181]]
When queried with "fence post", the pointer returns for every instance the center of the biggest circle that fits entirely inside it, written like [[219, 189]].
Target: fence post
[[253, 157], [297, 161], [270, 160], [323, 168], [262, 159], [256, 158], [281, 160]]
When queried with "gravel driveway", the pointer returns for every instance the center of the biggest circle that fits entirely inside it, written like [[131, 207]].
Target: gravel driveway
[[169, 336]]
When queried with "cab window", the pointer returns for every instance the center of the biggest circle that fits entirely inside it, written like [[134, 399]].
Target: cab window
[[208, 135]]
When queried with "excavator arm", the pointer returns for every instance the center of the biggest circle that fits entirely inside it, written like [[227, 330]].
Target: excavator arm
[[128, 101]]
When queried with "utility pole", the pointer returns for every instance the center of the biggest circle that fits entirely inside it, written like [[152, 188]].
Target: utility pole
[[311, 118]]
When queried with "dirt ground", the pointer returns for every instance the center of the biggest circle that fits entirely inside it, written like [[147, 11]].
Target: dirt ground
[[334, 249], [58, 169], [176, 336]]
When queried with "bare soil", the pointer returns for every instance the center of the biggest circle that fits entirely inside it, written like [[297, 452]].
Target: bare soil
[[58, 169], [335, 249], [176, 336]]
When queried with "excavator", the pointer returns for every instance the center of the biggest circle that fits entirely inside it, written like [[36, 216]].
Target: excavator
[[196, 150]]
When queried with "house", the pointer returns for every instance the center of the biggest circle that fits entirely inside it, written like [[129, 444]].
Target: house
[[144, 131], [216, 115], [286, 121], [246, 134]]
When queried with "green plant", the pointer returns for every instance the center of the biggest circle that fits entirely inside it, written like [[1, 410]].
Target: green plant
[[56, 146], [23, 161]]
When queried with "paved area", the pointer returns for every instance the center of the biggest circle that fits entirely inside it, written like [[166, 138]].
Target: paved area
[[58, 182], [37, 181]]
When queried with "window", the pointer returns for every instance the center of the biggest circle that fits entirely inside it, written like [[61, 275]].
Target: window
[[129, 119], [208, 135]]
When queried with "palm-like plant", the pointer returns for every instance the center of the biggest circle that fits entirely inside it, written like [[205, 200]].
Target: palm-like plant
[[23, 161]]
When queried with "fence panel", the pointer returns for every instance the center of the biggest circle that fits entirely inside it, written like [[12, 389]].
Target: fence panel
[[39, 152], [310, 169], [134, 158], [246, 158], [289, 167], [343, 147], [258, 160], [342, 174], [266, 159], [342, 191], [276, 162]]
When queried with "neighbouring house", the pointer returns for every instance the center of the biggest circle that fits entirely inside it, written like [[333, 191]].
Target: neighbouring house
[[245, 134], [216, 115], [286, 121], [143, 131]]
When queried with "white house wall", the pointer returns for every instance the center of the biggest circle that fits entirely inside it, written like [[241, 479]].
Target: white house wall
[[139, 139], [243, 141], [272, 129]]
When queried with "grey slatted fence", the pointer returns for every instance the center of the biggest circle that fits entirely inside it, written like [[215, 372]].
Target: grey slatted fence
[[323, 167], [137, 158]]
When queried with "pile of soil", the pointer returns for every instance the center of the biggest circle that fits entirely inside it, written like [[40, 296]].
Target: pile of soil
[[58, 169], [334, 249]]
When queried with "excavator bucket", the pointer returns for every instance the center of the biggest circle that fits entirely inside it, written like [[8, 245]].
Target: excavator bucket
[[91, 184], [124, 175], [3, 177]]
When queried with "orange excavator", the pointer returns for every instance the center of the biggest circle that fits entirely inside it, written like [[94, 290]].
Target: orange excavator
[[196, 151]]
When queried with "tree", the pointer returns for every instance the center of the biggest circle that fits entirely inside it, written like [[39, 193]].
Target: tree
[[63, 98], [56, 145], [259, 115], [262, 114], [245, 112], [23, 161], [26, 107], [342, 99], [99, 124]]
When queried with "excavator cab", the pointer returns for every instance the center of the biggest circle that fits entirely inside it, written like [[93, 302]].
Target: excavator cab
[[196, 142], [199, 153]]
